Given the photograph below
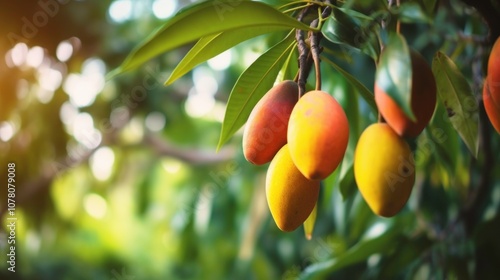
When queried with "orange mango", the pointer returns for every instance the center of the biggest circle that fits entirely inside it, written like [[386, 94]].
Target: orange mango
[[291, 196], [423, 100], [266, 129], [491, 107], [493, 78], [318, 132]]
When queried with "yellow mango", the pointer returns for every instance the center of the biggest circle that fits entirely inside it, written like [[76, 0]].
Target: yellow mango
[[291, 196], [318, 133], [384, 169]]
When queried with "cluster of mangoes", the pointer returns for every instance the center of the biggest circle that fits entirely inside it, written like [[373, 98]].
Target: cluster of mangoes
[[491, 88], [304, 138], [384, 167]]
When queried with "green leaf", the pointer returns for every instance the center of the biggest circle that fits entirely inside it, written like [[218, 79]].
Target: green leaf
[[355, 30], [394, 73], [411, 12], [366, 94], [212, 45], [442, 134], [359, 252], [203, 19], [429, 5], [458, 99], [252, 84]]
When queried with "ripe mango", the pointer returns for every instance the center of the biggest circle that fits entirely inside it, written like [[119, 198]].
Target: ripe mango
[[318, 133], [266, 128], [384, 169], [291, 196], [493, 77], [423, 100], [492, 108]]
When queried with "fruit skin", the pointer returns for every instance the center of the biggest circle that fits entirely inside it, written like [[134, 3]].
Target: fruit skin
[[265, 131], [318, 133], [492, 108], [291, 197], [423, 100], [384, 169], [493, 78]]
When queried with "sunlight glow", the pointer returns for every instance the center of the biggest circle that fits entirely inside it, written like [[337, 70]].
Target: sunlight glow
[[120, 10], [83, 88], [221, 62], [49, 79], [95, 205], [64, 51], [204, 81], [198, 105], [84, 132], [35, 57], [163, 9], [101, 163], [19, 53], [172, 166], [6, 131], [376, 230], [155, 121]]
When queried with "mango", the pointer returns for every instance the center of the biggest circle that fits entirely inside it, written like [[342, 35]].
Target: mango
[[318, 132], [266, 129], [291, 196], [423, 100], [493, 77], [384, 169], [491, 107]]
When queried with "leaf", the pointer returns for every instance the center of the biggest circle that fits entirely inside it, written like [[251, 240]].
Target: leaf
[[411, 12], [429, 5], [394, 73], [212, 45], [359, 252], [203, 19], [347, 28], [366, 94], [252, 84], [458, 99], [309, 222], [443, 137]]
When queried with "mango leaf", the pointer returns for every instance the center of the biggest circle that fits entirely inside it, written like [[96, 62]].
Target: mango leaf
[[357, 31], [252, 84], [366, 94], [411, 12], [212, 45], [203, 19], [429, 5], [359, 252], [290, 67], [458, 99], [444, 139], [394, 72]]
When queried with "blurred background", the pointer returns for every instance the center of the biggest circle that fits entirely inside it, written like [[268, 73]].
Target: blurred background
[[120, 179]]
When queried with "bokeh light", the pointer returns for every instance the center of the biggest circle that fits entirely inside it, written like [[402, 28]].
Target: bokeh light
[[120, 10], [95, 205], [155, 121], [101, 163], [163, 9]]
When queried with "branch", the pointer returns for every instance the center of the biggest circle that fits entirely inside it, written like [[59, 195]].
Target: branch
[[193, 157]]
